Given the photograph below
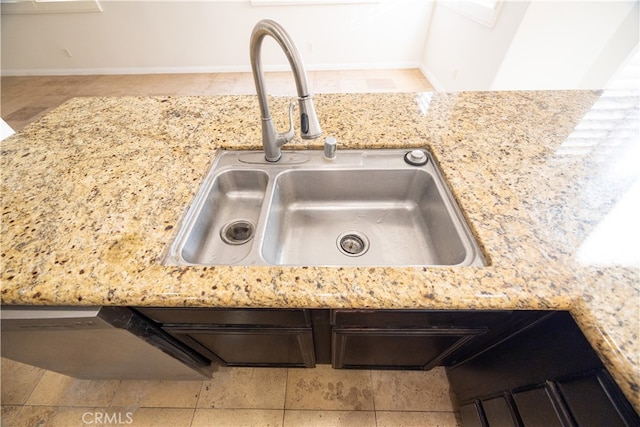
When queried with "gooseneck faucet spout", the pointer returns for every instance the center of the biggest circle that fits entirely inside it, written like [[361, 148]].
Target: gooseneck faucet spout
[[309, 125]]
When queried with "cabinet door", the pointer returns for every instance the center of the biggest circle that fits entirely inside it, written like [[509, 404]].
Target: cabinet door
[[593, 403], [499, 413], [537, 407], [396, 348], [251, 346], [471, 415], [551, 348]]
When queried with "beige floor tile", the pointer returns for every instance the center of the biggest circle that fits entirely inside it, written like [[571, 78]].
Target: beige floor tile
[[148, 417], [18, 92], [412, 390], [32, 110], [416, 419], [60, 390], [325, 388], [55, 416], [353, 86], [9, 417], [26, 113], [381, 84], [325, 85], [360, 74], [18, 381], [21, 86], [294, 418], [108, 85], [157, 394], [245, 388], [237, 417], [12, 103]]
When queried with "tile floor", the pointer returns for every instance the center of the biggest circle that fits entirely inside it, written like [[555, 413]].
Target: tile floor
[[233, 397], [25, 99]]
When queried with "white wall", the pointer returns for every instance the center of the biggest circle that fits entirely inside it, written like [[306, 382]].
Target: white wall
[[569, 45], [463, 54], [211, 36], [534, 45]]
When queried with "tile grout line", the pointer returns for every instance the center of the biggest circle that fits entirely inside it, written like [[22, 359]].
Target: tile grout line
[[33, 389], [373, 397], [286, 389], [200, 394]]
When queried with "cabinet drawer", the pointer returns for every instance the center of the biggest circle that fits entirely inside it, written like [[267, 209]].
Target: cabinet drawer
[[415, 318], [229, 317]]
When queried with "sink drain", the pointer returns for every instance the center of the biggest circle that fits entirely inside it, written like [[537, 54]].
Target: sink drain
[[353, 243], [237, 232]]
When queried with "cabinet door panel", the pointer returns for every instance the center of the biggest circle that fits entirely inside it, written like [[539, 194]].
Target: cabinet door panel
[[589, 403], [252, 347], [396, 348], [536, 408], [551, 348], [471, 415], [498, 412]]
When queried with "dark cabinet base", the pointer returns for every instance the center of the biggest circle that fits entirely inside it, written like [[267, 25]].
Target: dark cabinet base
[[251, 347], [374, 348], [545, 375], [507, 368], [242, 337]]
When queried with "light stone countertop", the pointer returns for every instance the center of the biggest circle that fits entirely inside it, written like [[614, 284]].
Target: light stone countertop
[[93, 192]]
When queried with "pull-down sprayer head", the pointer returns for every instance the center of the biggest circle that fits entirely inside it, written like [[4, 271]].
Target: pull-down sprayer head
[[309, 124]]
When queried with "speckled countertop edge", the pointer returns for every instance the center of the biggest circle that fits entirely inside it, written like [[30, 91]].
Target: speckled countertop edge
[[93, 192]]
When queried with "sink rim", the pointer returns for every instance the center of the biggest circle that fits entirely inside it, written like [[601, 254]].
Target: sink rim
[[358, 160]]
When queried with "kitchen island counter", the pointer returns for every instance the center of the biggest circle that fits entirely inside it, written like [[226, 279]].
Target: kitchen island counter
[[93, 193]]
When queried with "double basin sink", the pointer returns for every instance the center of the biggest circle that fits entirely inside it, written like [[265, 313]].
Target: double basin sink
[[364, 208]]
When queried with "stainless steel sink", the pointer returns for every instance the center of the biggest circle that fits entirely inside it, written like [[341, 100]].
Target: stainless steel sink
[[221, 231], [365, 208]]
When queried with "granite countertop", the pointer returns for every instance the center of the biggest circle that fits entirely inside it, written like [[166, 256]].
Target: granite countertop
[[93, 192]]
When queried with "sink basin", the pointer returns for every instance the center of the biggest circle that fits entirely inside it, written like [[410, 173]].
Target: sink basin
[[227, 216], [365, 208]]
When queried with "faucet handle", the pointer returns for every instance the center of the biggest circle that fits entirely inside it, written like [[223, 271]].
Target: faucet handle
[[287, 136]]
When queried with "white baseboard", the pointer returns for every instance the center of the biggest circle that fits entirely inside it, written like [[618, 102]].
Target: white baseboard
[[439, 87], [207, 69]]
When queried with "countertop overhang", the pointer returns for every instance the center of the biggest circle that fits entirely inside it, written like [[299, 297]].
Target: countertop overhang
[[93, 192]]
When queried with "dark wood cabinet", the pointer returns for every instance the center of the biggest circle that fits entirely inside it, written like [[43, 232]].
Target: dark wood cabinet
[[472, 415], [538, 407], [406, 339], [592, 401], [545, 375], [242, 337], [507, 368], [498, 411], [376, 339], [373, 348]]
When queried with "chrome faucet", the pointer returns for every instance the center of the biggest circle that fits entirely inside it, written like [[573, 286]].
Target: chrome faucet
[[309, 125]]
